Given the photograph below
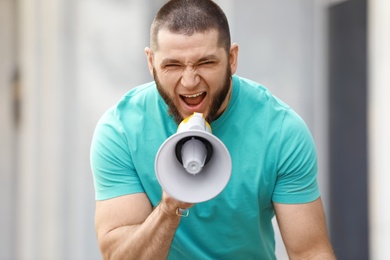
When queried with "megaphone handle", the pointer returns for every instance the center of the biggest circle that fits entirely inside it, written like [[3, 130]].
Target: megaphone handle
[[182, 212]]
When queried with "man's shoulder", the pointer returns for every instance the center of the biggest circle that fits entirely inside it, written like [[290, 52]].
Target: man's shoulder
[[143, 91], [136, 98], [134, 102], [252, 91]]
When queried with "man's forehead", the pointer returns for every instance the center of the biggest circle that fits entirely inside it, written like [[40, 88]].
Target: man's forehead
[[177, 38]]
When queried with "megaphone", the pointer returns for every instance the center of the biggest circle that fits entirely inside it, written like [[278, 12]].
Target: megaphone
[[193, 165]]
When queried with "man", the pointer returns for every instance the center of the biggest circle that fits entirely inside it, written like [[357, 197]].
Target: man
[[274, 171]]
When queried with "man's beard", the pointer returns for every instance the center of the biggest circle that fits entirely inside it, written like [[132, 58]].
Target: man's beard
[[216, 102]]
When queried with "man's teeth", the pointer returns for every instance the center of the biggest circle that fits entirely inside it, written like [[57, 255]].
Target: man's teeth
[[193, 96]]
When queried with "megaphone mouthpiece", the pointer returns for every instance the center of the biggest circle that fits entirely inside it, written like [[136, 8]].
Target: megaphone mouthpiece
[[196, 144], [193, 155]]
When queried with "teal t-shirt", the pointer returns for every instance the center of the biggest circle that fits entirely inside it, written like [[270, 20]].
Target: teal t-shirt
[[273, 159]]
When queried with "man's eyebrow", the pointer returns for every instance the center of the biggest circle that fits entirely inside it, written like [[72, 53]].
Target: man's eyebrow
[[169, 60], [203, 59], [207, 58]]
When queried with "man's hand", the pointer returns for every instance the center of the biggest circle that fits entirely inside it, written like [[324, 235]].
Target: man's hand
[[171, 205]]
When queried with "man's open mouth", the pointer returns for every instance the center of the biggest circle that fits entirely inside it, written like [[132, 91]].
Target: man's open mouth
[[194, 99]]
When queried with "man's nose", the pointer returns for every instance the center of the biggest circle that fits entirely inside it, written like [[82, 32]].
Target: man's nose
[[190, 78]]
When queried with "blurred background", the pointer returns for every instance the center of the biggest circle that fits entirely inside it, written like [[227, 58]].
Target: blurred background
[[64, 62]]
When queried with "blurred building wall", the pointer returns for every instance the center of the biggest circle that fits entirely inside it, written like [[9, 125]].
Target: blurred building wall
[[8, 123], [348, 153]]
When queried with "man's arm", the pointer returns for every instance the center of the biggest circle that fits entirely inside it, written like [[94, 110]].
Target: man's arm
[[129, 228], [303, 229]]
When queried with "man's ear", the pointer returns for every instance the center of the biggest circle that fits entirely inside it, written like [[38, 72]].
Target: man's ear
[[233, 57], [149, 57]]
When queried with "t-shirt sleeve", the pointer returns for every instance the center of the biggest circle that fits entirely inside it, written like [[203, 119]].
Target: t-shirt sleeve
[[297, 163], [111, 162]]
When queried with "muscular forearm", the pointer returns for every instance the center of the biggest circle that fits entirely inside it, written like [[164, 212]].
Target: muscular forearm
[[148, 240]]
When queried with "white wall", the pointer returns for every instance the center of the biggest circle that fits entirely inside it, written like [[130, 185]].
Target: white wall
[[379, 128]]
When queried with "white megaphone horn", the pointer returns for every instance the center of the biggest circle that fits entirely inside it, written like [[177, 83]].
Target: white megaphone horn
[[193, 165]]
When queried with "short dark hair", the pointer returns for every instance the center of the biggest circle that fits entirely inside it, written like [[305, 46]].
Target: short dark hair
[[191, 16]]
